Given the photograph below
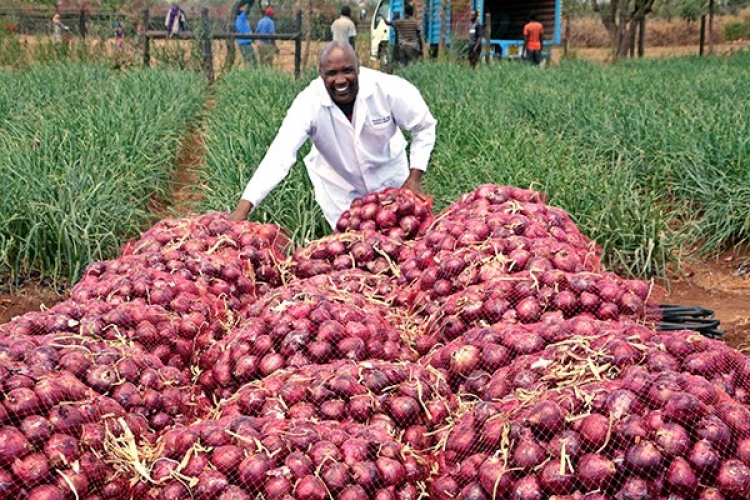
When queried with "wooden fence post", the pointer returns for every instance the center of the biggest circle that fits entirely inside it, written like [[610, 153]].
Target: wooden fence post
[[82, 23], [145, 39], [208, 60], [298, 44]]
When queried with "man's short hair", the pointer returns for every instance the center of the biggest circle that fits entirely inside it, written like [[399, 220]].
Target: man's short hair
[[532, 16], [346, 11], [409, 10], [330, 46]]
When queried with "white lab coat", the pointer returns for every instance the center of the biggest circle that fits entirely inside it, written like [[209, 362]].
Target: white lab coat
[[350, 159]]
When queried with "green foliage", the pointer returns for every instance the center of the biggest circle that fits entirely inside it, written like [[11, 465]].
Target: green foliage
[[692, 10], [736, 30], [250, 106], [83, 151]]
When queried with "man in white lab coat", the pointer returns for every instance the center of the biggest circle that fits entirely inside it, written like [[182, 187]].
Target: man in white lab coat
[[354, 118]]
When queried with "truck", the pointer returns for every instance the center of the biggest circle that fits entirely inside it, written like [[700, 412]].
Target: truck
[[382, 36], [505, 19]]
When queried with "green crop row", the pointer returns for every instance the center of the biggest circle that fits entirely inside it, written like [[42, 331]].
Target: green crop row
[[84, 152], [650, 158]]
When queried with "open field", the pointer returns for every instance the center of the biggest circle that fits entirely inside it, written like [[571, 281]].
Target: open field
[[512, 346]]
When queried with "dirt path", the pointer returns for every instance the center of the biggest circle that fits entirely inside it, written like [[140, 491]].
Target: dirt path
[[185, 196], [723, 286]]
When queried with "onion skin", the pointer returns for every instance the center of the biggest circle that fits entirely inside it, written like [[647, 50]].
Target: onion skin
[[680, 477], [527, 488], [672, 439], [310, 488], [733, 479], [33, 469], [704, 459], [644, 458], [45, 492], [594, 430], [494, 478], [546, 419], [554, 483], [595, 471], [444, 488], [13, 445]]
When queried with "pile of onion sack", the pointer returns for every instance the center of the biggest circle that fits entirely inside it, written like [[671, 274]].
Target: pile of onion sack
[[480, 352]]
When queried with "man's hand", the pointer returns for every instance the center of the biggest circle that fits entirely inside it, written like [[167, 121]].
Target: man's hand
[[241, 212], [413, 183]]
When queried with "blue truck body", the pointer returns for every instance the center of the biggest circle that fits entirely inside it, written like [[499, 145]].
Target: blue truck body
[[506, 21]]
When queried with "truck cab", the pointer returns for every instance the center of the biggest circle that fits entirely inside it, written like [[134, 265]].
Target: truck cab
[[382, 37]]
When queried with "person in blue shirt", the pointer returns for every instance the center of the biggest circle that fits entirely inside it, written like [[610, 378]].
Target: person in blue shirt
[[242, 25], [266, 47]]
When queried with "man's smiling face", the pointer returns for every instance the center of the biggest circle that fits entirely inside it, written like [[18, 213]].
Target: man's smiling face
[[340, 72]]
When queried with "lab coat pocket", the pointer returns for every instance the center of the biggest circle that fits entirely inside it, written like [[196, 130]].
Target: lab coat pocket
[[375, 141]]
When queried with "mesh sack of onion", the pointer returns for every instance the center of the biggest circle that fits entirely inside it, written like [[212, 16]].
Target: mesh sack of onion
[[245, 457], [410, 400], [302, 324], [467, 224], [399, 213], [627, 413], [368, 251], [73, 408], [444, 272], [526, 297], [260, 247]]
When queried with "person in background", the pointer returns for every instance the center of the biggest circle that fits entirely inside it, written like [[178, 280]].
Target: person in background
[[119, 36], [266, 46], [58, 27], [476, 32], [242, 26], [533, 39], [343, 28], [175, 21], [408, 36], [353, 116]]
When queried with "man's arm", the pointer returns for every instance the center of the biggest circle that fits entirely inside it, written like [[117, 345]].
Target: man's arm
[[279, 158], [386, 21], [413, 182]]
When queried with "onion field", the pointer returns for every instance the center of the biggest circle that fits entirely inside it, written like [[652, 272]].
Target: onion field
[[83, 152], [492, 341], [650, 157]]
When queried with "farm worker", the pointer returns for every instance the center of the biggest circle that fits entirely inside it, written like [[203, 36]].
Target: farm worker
[[267, 47], [343, 28], [58, 27], [354, 117], [408, 36], [242, 25], [533, 36], [119, 36], [476, 32], [175, 21]]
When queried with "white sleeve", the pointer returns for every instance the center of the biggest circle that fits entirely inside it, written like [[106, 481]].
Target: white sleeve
[[411, 113], [282, 154]]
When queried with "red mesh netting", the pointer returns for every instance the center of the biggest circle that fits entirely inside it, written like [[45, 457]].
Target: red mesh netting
[[482, 352]]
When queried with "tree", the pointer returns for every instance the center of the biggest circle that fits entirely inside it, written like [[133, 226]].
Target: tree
[[620, 17]]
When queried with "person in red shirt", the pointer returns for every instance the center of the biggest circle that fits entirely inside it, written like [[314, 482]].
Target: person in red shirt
[[533, 37]]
